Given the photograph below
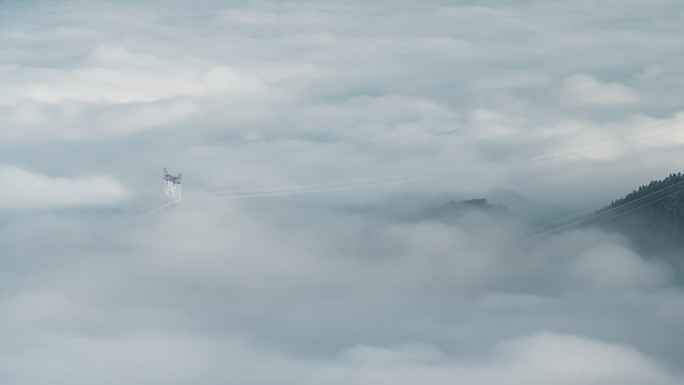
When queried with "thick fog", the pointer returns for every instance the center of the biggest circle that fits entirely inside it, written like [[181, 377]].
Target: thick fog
[[320, 145]]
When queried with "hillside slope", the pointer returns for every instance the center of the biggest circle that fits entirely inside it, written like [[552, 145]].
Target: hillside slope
[[652, 216]]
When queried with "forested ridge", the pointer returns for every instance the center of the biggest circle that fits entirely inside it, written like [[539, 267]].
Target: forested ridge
[[652, 215]]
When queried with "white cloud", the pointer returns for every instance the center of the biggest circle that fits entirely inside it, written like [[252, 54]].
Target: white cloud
[[491, 124], [291, 14], [516, 79], [128, 85], [549, 358], [586, 90], [544, 358], [24, 189], [614, 267], [330, 297]]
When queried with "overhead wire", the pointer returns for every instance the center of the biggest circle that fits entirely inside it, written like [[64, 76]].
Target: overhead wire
[[570, 151], [577, 149], [601, 216], [169, 204]]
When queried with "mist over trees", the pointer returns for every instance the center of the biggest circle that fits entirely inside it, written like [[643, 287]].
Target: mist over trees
[[652, 215]]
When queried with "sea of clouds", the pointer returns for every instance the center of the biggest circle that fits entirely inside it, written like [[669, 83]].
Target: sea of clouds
[[376, 114]]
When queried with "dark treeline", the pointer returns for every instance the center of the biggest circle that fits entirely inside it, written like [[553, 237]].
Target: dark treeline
[[652, 215], [673, 185], [479, 203]]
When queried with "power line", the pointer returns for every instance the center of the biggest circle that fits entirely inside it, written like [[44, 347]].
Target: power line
[[596, 219], [570, 151], [578, 149], [161, 207]]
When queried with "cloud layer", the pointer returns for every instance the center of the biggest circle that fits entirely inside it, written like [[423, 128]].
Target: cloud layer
[[23, 189], [375, 114], [230, 293]]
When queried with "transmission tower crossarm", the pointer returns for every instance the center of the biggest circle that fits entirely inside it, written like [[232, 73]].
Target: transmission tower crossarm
[[172, 187]]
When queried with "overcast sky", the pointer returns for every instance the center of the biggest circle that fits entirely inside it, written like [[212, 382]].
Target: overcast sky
[[373, 113]]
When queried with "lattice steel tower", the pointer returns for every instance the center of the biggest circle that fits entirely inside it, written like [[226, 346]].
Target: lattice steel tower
[[172, 187]]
